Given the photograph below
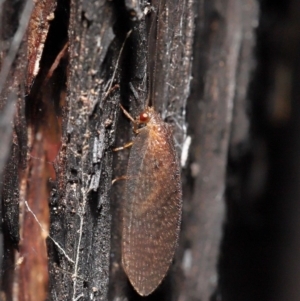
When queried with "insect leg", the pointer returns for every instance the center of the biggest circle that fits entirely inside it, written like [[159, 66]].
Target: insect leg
[[117, 179], [123, 147]]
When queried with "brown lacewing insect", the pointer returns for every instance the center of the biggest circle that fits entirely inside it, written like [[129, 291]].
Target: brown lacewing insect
[[153, 202], [152, 213]]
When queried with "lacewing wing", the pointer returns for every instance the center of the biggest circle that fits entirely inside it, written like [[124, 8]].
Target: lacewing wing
[[152, 212]]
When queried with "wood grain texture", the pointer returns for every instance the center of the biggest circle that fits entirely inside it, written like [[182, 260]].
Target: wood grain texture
[[152, 212]]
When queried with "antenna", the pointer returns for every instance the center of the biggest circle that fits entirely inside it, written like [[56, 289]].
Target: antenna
[[151, 55], [152, 50]]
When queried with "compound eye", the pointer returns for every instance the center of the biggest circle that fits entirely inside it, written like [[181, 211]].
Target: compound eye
[[144, 117]]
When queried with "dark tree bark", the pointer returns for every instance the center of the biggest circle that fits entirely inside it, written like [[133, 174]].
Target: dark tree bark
[[223, 48]]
